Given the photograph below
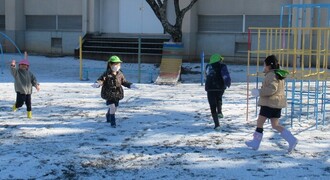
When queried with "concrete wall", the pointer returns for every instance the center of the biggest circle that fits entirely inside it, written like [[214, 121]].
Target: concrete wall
[[238, 7], [195, 42], [224, 42], [53, 7], [2, 7], [41, 41]]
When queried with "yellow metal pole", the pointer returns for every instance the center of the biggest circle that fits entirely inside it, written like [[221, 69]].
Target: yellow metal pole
[[326, 50], [303, 51], [287, 47], [318, 51], [80, 58], [295, 41], [247, 86], [311, 32]]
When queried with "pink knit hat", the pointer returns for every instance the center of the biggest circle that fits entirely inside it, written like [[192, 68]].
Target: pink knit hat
[[24, 61]]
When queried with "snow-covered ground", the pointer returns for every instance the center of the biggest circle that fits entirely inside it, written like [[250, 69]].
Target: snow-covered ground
[[164, 132]]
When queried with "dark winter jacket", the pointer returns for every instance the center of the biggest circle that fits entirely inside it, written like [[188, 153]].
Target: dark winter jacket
[[112, 85], [217, 77]]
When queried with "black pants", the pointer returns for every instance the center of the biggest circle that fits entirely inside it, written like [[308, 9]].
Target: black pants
[[215, 101], [23, 98]]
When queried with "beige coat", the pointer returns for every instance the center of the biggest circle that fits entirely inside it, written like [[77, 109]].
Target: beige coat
[[272, 92]]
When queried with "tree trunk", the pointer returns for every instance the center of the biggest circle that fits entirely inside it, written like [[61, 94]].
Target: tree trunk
[[160, 8]]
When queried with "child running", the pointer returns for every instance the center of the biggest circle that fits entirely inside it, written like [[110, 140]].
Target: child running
[[217, 80], [24, 81], [112, 81], [272, 100]]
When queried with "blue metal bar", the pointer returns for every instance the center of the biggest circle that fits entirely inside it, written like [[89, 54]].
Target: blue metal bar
[[308, 98], [329, 17], [316, 103], [319, 17], [289, 18], [300, 99], [292, 100], [281, 16], [324, 94], [8, 38], [312, 17], [303, 24]]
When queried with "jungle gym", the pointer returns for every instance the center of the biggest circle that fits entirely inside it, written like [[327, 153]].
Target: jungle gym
[[302, 50]]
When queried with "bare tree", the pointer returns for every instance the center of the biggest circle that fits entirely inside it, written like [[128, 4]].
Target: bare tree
[[160, 8]]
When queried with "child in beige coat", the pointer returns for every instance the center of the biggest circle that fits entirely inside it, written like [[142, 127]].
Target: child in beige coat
[[272, 100]]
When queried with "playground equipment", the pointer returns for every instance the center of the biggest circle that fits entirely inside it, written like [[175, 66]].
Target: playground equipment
[[303, 50], [307, 66], [4, 42], [170, 67]]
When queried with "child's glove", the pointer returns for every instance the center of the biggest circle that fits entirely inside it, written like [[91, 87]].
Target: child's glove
[[38, 87], [255, 92], [133, 86], [96, 85]]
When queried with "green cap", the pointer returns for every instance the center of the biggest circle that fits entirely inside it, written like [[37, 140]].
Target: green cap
[[114, 59], [216, 58]]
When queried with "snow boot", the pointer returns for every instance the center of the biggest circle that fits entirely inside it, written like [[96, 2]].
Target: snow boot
[[113, 120], [29, 114], [14, 108], [216, 122], [108, 117], [255, 143], [290, 139]]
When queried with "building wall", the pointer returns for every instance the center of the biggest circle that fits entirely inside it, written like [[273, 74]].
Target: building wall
[[2, 7], [226, 42], [42, 41], [195, 40], [53, 7]]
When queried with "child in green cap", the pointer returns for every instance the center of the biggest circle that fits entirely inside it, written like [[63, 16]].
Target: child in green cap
[[112, 81], [217, 80]]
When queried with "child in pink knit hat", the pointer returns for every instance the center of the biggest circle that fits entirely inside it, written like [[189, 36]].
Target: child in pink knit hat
[[24, 81]]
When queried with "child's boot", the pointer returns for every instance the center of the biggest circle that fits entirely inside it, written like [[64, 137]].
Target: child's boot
[[14, 108], [108, 117], [29, 114], [290, 139], [255, 143], [216, 122], [113, 120]]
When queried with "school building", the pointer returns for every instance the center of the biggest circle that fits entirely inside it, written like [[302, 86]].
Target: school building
[[54, 26]]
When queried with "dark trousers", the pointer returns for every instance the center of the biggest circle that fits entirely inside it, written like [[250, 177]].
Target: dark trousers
[[23, 98], [215, 101]]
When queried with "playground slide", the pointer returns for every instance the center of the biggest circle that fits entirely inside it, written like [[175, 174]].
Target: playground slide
[[170, 67]]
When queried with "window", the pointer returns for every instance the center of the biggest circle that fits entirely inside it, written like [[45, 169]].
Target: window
[[218, 23], [2, 22], [69, 23], [49, 22], [264, 21], [241, 47], [36, 22], [56, 42]]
